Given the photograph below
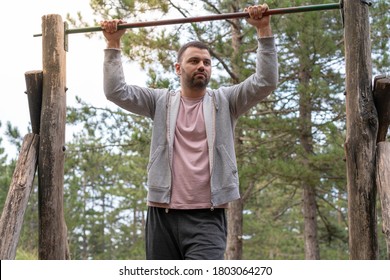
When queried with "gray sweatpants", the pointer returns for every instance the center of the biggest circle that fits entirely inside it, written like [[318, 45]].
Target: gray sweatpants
[[198, 234]]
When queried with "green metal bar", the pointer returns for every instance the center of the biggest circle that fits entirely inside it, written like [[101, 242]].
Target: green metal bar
[[278, 11]]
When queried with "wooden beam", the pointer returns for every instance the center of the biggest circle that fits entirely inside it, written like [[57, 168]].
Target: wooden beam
[[52, 228], [383, 183], [34, 81], [382, 104], [19, 191], [362, 127]]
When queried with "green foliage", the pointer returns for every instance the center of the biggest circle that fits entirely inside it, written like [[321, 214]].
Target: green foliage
[[14, 136], [105, 184], [273, 227], [22, 254], [6, 171], [4, 176], [380, 27]]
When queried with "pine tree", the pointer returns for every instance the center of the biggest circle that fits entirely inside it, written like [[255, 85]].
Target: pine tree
[[105, 191], [5, 178]]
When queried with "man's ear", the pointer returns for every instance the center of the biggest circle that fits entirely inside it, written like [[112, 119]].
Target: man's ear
[[178, 68]]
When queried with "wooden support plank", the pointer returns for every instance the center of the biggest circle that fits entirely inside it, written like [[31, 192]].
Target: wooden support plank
[[382, 104], [34, 81], [16, 203], [52, 228], [383, 183], [362, 126]]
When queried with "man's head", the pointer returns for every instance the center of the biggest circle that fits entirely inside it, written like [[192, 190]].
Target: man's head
[[194, 65], [192, 44]]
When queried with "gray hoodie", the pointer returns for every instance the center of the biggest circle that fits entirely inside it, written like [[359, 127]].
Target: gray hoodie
[[221, 107]]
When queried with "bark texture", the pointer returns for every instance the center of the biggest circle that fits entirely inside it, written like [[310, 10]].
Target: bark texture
[[362, 126], [16, 203], [52, 228], [383, 182]]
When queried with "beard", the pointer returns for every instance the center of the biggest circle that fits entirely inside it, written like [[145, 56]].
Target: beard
[[199, 80]]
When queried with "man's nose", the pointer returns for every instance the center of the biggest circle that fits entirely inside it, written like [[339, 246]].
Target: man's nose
[[201, 66]]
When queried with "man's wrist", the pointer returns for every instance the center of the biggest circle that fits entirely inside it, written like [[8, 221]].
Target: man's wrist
[[264, 31], [113, 45]]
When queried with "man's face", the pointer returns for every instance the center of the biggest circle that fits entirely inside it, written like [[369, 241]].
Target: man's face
[[194, 68]]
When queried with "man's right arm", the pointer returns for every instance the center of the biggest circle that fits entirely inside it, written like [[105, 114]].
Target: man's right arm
[[138, 100]]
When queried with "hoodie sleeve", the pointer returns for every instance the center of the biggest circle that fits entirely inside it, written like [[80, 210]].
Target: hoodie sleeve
[[136, 99], [259, 85]]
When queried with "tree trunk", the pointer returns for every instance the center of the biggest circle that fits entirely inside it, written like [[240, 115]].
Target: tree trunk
[[362, 126], [16, 203], [383, 182], [312, 251], [52, 232], [235, 223], [234, 213]]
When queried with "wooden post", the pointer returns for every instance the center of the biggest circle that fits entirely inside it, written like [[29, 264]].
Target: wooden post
[[362, 126], [34, 81], [382, 104], [17, 198], [383, 183], [52, 228]]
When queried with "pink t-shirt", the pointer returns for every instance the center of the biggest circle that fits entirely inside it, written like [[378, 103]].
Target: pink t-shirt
[[191, 170]]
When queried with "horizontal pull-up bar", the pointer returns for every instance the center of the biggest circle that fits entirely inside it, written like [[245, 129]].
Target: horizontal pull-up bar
[[208, 18]]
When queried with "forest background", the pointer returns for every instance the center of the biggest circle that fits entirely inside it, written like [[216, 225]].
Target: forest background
[[290, 148]]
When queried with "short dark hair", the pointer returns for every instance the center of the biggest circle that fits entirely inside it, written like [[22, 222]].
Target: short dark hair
[[194, 44]]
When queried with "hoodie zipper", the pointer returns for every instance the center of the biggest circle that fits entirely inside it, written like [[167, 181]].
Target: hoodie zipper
[[215, 109]]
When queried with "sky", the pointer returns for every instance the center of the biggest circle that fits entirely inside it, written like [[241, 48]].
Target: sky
[[20, 52]]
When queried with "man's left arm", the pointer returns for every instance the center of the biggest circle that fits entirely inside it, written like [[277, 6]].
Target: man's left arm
[[258, 86]]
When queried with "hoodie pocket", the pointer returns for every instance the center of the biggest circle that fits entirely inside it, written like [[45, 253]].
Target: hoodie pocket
[[225, 168], [158, 168]]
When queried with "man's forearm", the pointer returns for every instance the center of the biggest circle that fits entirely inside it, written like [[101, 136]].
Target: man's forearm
[[264, 32]]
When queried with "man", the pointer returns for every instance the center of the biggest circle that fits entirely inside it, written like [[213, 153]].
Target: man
[[192, 170]]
